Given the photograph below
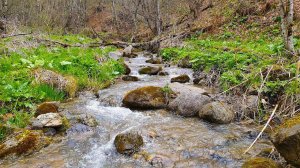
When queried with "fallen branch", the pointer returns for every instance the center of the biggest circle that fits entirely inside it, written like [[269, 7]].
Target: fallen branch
[[14, 35], [259, 135]]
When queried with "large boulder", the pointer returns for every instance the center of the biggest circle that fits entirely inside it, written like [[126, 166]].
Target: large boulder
[[63, 83], [130, 78], [217, 112], [260, 162], [23, 142], [149, 97], [189, 99], [128, 143], [150, 70], [47, 107], [181, 79], [286, 139], [47, 120]]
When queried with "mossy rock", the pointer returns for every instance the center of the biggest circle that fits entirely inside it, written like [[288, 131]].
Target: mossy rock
[[181, 79], [149, 97], [260, 162], [127, 69], [23, 142], [67, 84], [286, 139], [128, 143], [150, 70], [130, 78], [47, 107]]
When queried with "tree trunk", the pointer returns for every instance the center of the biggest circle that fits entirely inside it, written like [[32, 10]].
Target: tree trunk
[[287, 18], [158, 18]]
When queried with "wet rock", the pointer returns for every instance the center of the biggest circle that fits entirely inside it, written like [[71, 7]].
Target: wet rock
[[47, 120], [115, 55], [286, 139], [260, 163], [150, 70], [50, 131], [88, 120], [181, 79], [23, 142], [149, 97], [78, 129], [163, 73], [128, 143], [185, 63], [130, 78], [154, 60], [63, 83], [217, 112], [127, 69], [47, 107], [189, 99], [127, 52]]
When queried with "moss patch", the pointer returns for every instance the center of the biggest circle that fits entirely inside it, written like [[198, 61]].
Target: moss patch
[[260, 163]]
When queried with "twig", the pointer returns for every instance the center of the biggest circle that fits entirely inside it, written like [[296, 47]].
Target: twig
[[269, 120]]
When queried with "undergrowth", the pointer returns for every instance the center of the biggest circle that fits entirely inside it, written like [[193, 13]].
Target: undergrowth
[[19, 94]]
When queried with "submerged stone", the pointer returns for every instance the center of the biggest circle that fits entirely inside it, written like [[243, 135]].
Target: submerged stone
[[128, 143], [149, 97]]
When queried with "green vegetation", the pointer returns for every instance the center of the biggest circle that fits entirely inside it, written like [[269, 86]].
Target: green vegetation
[[238, 60], [91, 68]]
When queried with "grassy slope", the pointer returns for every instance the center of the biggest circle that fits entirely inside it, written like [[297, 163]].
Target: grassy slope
[[19, 94]]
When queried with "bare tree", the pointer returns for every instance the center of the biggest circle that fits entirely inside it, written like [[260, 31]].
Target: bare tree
[[287, 18]]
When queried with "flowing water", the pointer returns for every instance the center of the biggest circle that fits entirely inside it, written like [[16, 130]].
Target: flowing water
[[170, 140]]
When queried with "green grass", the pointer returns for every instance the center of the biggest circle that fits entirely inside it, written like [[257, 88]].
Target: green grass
[[20, 94], [238, 59]]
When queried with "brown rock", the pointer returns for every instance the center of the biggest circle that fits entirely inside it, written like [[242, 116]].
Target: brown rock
[[150, 70], [128, 143], [148, 97], [23, 142], [286, 139], [181, 79], [47, 107], [130, 78]]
